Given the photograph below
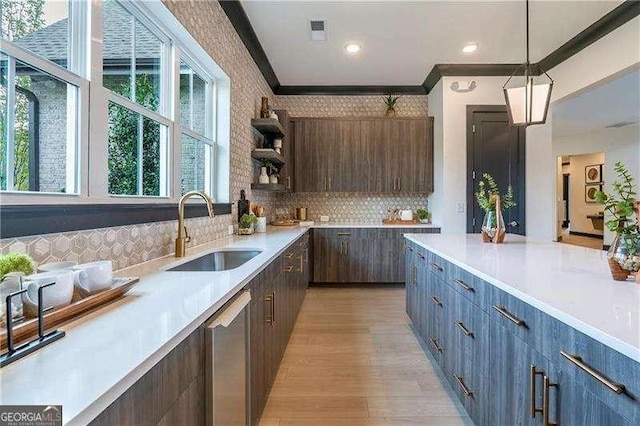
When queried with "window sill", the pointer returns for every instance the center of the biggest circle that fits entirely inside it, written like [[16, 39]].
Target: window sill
[[25, 220]]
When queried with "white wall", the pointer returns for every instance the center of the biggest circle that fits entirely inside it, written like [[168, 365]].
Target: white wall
[[578, 207], [616, 52], [436, 200]]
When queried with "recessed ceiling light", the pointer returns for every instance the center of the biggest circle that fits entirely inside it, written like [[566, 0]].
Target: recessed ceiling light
[[470, 47], [352, 48]]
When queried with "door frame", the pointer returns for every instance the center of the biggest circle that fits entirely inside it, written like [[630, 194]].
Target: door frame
[[471, 110]]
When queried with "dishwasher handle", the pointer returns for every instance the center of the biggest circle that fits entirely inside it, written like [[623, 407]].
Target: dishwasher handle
[[229, 314]]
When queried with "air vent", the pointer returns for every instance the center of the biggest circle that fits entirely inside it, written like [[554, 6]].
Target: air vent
[[318, 32], [620, 124]]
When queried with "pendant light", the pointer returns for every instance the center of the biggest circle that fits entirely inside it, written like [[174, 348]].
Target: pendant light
[[528, 98]]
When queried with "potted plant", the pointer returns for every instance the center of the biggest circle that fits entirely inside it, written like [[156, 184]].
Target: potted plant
[[390, 101], [424, 216], [493, 204], [266, 168], [245, 227], [12, 266], [622, 206]]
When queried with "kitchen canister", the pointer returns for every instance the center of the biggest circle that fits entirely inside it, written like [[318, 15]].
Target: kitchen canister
[[261, 225]]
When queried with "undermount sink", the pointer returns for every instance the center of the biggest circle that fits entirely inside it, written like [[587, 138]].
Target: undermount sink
[[218, 261]]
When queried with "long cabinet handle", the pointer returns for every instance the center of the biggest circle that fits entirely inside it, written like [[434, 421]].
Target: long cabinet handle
[[344, 234], [288, 269], [346, 244], [289, 255], [421, 256], [399, 184], [414, 271], [464, 387], [288, 182], [437, 301], [546, 385], [514, 319], [341, 247], [269, 300], [435, 344], [273, 308], [532, 387], [577, 360], [464, 285], [464, 329], [436, 266]]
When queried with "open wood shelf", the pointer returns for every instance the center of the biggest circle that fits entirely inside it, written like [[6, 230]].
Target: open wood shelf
[[276, 159], [272, 187], [268, 125]]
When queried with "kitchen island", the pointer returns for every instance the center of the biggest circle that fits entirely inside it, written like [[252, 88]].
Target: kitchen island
[[527, 328]]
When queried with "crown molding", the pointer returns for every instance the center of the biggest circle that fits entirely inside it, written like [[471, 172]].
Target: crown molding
[[349, 90]]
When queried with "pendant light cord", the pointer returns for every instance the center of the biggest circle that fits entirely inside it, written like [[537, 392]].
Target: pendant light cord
[[527, 15]]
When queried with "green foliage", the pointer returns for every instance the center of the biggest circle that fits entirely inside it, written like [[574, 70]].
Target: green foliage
[[621, 207], [422, 214], [269, 165], [390, 101], [123, 143], [16, 262], [247, 220], [18, 18], [489, 188]]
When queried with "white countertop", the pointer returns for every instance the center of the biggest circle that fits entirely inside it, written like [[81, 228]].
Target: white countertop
[[104, 353], [572, 284]]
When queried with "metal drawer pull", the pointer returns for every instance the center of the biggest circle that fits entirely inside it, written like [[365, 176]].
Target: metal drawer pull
[[344, 234], [517, 321], [464, 285], [288, 255], [465, 389], [420, 256], [464, 329], [408, 248], [532, 386], [436, 266], [273, 307], [269, 300], [436, 300], [435, 344], [546, 384], [577, 360], [288, 269]]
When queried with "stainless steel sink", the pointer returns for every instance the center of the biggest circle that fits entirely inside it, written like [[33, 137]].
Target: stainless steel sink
[[218, 261]]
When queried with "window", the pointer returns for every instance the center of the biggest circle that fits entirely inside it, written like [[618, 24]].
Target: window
[[151, 129], [196, 118], [40, 99]]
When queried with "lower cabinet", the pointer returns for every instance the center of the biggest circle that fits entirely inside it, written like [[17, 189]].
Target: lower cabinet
[[507, 362], [173, 391], [360, 255]]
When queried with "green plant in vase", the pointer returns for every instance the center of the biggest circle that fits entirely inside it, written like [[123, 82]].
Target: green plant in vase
[[424, 216], [13, 265], [247, 221], [622, 207], [493, 204], [390, 101]]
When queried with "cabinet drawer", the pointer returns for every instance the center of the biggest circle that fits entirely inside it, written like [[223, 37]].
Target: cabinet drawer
[[515, 315], [471, 388], [609, 375], [468, 329], [468, 285], [436, 265]]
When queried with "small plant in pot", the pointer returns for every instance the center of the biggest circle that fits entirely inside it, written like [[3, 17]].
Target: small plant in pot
[[390, 101], [12, 266], [247, 222], [493, 204], [623, 208], [424, 216]]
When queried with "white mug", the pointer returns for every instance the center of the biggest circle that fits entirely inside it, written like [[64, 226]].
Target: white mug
[[93, 276], [56, 296], [56, 266], [406, 215]]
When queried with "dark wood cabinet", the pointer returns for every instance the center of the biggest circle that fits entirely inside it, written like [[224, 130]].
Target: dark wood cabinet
[[360, 255], [363, 154]]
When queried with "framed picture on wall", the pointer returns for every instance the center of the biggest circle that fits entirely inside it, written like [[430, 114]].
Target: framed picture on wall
[[593, 174], [590, 192]]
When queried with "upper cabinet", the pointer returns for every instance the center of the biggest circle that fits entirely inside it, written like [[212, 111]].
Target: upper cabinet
[[363, 154]]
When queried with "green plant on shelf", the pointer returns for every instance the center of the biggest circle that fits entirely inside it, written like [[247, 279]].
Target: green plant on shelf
[[423, 215], [269, 166], [16, 262], [247, 220]]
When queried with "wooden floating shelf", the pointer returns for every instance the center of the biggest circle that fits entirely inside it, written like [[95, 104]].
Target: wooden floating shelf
[[276, 159], [268, 125], [273, 187]]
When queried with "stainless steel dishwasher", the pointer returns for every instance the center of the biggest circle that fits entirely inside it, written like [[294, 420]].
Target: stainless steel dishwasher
[[228, 364]]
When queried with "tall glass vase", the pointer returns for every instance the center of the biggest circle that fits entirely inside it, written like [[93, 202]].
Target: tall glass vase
[[493, 229], [624, 256]]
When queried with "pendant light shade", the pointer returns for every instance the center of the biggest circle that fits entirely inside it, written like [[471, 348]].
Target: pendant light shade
[[528, 94]]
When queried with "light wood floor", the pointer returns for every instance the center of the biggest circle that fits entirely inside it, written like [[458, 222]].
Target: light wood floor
[[353, 360]]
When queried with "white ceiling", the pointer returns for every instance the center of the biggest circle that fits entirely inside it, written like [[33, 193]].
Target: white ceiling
[[402, 41], [613, 102]]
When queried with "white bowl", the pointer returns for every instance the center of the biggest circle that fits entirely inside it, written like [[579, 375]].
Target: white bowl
[[55, 266], [56, 296]]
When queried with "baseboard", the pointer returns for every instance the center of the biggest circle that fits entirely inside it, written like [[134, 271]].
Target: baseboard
[[586, 234]]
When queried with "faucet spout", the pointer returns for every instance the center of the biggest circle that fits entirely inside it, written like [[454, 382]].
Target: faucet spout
[[183, 236]]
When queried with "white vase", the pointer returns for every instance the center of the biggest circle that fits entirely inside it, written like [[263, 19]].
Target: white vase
[[261, 226], [264, 177], [273, 179]]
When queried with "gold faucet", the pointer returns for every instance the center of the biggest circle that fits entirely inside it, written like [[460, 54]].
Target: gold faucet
[[183, 236]]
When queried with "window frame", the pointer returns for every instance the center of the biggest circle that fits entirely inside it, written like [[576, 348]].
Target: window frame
[[85, 44]]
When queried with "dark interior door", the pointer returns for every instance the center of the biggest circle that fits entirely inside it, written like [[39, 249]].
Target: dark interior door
[[497, 148], [565, 197]]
